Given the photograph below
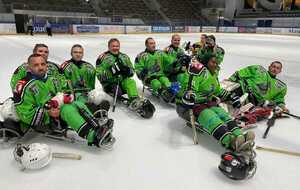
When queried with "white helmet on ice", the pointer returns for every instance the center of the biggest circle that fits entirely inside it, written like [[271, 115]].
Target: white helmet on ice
[[33, 156]]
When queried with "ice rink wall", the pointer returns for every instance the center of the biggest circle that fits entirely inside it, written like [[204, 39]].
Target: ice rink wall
[[10, 28]]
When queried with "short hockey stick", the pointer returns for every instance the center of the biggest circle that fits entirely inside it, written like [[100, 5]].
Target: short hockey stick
[[115, 97], [278, 151], [71, 156]]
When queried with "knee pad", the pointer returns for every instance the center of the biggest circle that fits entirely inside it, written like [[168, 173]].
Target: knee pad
[[232, 125], [155, 84], [220, 132]]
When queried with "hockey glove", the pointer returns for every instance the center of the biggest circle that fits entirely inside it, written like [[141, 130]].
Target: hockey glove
[[184, 60], [126, 71], [60, 99], [143, 74]]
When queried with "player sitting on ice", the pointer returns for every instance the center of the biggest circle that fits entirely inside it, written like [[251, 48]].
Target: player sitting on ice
[[211, 48], [41, 104], [82, 76], [264, 90], [21, 71], [115, 73], [202, 93], [175, 62], [261, 84], [149, 66]]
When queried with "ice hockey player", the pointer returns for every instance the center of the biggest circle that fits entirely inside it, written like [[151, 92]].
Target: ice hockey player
[[82, 76], [40, 103], [199, 45], [149, 66], [176, 61], [115, 73], [21, 71], [211, 48], [261, 85], [202, 93]]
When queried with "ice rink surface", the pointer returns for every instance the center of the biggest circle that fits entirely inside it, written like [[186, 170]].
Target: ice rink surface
[[158, 154]]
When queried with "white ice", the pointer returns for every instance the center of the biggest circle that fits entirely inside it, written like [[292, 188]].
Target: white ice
[[158, 154]]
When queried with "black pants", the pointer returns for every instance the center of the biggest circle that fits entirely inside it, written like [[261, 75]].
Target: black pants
[[30, 28], [49, 31]]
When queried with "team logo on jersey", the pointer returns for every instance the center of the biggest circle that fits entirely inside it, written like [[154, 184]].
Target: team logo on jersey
[[20, 85]]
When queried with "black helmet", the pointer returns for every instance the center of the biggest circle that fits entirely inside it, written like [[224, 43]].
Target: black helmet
[[236, 167]]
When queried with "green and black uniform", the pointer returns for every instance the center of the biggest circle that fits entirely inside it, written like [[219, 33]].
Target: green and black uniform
[[149, 67], [172, 65], [260, 85], [32, 96], [116, 69], [214, 120], [82, 76]]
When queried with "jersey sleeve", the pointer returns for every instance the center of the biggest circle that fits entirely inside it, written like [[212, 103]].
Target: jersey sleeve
[[18, 74]]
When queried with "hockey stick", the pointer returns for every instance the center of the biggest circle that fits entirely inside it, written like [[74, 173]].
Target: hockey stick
[[71, 156], [192, 118], [292, 115], [278, 151], [115, 97], [270, 123], [143, 92], [191, 113]]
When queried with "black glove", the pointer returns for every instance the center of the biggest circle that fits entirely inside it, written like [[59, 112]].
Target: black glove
[[236, 103], [143, 74], [184, 60], [187, 46], [126, 71], [189, 99], [155, 68]]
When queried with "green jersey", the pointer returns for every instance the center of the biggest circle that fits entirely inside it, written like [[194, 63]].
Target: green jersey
[[81, 74], [256, 80], [149, 64], [171, 54], [104, 66]]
